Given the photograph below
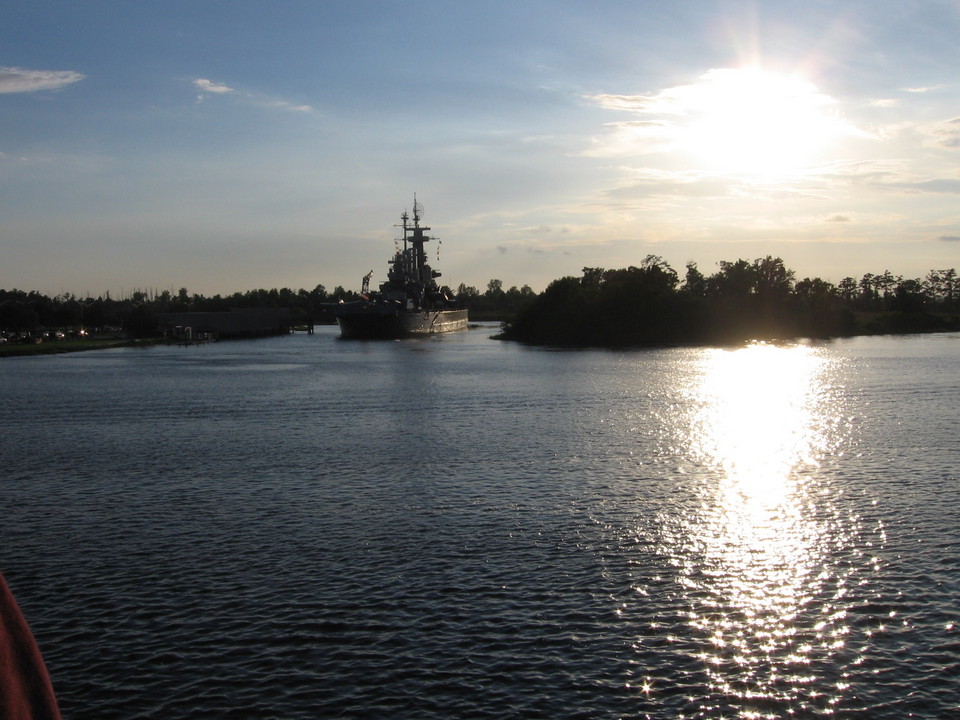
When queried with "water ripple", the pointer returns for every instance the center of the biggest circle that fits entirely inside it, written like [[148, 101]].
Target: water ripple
[[302, 528]]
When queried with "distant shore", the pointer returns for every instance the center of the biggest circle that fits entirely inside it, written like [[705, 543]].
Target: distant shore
[[58, 347], [867, 324], [862, 325]]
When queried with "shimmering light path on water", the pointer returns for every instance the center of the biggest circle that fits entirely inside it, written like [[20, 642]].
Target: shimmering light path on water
[[755, 556], [303, 527]]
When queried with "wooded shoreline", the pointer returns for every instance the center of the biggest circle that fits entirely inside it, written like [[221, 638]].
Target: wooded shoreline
[[649, 306], [635, 306]]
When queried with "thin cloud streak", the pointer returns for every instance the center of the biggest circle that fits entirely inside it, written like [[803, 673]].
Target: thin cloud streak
[[207, 86], [21, 80]]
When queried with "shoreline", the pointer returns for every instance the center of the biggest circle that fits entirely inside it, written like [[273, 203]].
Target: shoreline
[[61, 347], [72, 346]]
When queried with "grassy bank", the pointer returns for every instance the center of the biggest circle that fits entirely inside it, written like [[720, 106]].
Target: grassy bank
[[56, 347], [899, 323]]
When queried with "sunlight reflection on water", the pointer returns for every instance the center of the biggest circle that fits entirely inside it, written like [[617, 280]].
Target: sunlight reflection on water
[[752, 556]]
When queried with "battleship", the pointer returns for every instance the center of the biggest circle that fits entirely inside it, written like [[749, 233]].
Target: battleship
[[409, 303]]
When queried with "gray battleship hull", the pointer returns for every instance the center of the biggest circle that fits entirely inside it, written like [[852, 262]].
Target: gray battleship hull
[[373, 323]]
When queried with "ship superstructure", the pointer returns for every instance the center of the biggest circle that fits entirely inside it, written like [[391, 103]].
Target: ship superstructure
[[410, 302]]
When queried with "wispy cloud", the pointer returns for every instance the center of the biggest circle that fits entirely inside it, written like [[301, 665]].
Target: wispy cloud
[[206, 87], [866, 173], [19, 80], [947, 134], [284, 105], [649, 182], [950, 186], [949, 238]]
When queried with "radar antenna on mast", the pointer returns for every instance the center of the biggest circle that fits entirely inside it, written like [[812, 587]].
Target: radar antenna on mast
[[417, 209]]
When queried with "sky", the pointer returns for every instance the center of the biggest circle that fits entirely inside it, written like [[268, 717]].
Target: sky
[[230, 145]]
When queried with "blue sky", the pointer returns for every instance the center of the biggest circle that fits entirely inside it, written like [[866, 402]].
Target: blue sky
[[231, 145]]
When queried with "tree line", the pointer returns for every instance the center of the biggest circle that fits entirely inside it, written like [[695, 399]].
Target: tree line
[[495, 303], [633, 306], [31, 313], [743, 300], [135, 315]]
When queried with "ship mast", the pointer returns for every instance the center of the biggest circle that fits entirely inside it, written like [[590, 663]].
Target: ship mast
[[420, 255], [405, 218], [410, 276]]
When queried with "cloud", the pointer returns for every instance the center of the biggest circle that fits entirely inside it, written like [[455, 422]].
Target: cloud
[[212, 87], [651, 182], [937, 185], [667, 102], [947, 134], [209, 86], [633, 138], [889, 175], [866, 172], [949, 238], [284, 105], [16, 80], [838, 219]]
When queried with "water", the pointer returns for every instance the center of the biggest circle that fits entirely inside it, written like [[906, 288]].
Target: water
[[303, 527]]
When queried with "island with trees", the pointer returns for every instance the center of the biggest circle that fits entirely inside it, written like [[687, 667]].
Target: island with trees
[[649, 305]]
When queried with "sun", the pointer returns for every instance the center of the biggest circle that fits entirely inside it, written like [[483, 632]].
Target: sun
[[750, 121]]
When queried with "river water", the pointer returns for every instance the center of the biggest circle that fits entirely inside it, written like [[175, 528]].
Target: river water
[[305, 527]]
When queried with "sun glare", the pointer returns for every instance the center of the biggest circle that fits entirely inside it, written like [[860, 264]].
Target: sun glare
[[751, 121], [756, 426], [736, 122]]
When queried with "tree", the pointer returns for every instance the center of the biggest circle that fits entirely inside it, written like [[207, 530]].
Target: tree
[[886, 284], [592, 277], [868, 290], [734, 279], [820, 310], [942, 287], [339, 294], [848, 289], [771, 277], [694, 284], [467, 293], [909, 296]]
